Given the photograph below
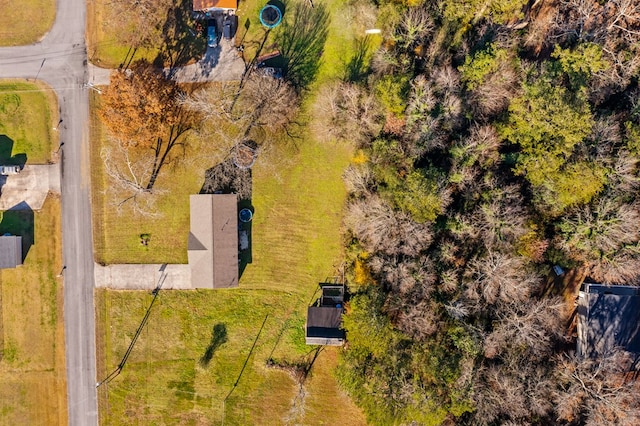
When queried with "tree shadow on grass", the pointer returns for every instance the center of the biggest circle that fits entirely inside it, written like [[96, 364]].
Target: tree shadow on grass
[[6, 153], [181, 40], [218, 338], [227, 178], [19, 220], [357, 67], [301, 42], [8, 159]]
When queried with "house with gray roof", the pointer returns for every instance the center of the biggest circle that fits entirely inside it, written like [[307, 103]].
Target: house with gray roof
[[213, 241], [608, 320]]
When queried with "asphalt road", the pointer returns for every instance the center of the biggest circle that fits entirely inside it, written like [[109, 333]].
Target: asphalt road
[[60, 59]]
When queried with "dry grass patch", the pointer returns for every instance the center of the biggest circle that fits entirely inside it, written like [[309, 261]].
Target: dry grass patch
[[25, 22], [32, 365]]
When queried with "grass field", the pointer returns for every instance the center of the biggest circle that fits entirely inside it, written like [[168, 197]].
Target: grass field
[[28, 113], [296, 242], [103, 47], [32, 364], [25, 22], [117, 236]]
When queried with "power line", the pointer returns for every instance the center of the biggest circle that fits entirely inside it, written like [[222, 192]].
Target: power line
[[122, 363]]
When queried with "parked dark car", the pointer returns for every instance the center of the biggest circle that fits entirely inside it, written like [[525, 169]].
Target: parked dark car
[[229, 26], [212, 33]]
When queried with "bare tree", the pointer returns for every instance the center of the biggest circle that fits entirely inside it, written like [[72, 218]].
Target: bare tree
[[600, 229], [498, 279], [594, 392], [128, 179], [380, 228], [358, 179], [346, 112], [415, 27], [535, 325]]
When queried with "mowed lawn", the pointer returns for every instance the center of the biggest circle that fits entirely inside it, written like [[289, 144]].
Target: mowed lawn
[[28, 113], [25, 22], [32, 362], [297, 241], [103, 48]]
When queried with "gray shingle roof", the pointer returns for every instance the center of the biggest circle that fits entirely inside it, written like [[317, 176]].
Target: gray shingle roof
[[213, 241]]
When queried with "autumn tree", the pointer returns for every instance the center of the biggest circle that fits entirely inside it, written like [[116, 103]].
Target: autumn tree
[[144, 118]]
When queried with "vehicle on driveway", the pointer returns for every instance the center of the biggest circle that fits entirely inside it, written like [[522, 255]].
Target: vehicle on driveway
[[229, 26], [9, 170], [212, 33]]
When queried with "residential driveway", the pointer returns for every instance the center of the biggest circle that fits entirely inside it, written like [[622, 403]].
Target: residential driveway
[[222, 63], [31, 186], [143, 277]]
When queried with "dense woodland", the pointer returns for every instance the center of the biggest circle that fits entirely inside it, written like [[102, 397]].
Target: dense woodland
[[495, 139]]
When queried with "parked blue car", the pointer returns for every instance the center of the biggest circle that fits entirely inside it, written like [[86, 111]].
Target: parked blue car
[[212, 34]]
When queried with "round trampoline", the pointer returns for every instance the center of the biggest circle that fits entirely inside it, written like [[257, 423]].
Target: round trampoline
[[245, 215], [270, 16]]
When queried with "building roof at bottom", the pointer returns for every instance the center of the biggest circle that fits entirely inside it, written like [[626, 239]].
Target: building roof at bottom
[[213, 241], [609, 319], [10, 251], [214, 4], [324, 325]]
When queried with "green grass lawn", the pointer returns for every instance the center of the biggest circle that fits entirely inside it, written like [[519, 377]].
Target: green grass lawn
[[103, 47], [296, 242], [32, 363], [25, 22], [28, 113]]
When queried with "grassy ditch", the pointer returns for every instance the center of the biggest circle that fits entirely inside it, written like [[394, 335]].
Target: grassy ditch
[[25, 22], [32, 363], [28, 115]]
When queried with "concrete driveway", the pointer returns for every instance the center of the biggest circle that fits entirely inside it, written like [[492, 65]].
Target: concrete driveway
[[143, 277], [220, 63], [31, 185]]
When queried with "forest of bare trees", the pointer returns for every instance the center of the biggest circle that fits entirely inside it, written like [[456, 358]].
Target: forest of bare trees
[[496, 139]]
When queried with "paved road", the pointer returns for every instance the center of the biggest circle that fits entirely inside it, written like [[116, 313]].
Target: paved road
[[60, 59]]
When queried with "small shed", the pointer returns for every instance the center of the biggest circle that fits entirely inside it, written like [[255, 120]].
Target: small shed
[[10, 251], [324, 318], [608, 320]]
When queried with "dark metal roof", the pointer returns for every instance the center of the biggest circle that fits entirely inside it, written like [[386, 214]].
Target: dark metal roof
[[324, 325], [609, 318]]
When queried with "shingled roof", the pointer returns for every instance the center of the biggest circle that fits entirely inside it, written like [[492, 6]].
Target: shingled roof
[[204, 5], [213, 241]]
